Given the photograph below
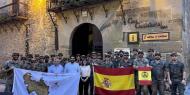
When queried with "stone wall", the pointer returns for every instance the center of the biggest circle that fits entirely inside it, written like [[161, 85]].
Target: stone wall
[[41, 33]]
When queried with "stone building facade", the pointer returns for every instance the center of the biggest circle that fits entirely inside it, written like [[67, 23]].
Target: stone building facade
[[110, 23], [113, 30]]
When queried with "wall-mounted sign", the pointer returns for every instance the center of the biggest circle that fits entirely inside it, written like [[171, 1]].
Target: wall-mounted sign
[[133, 37], [147, 24], [156, 36]]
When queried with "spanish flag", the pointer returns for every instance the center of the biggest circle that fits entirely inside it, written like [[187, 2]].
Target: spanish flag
[[114, 81], [144, 75]]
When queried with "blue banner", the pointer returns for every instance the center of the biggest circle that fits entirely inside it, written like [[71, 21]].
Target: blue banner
[[28, 82]]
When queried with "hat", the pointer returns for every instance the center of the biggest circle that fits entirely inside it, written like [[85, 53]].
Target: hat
[[72, 57], [93, 52], [15, 54], [41, 57], [36, 55], [135, 49], [83, 56], [109, 52], [126, 54], [157, 54], [46, 57], [23, 58], [173, 54], [106, 55], [99, 54], [52, 55], [60, 54], [140, 52], [116, 53], [150, 50], [121, 51], [30, 56]]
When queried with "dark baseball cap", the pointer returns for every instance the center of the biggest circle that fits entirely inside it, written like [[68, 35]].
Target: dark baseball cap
[[140, 52], [157, 54], [60, 54], [150, 50], [15, 54], [173, 54]]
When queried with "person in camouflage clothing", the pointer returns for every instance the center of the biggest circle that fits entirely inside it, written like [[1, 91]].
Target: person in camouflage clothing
[[25, 64], [126, 62], [8, 70], [107, 61], [140, 61], [158, 74], [176, 75], [117, 60], [41, 65]]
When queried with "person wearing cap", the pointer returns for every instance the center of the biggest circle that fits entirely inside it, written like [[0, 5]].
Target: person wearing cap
[[39, 64], [134, 54], [117, 60], [121, 55], [83, 57], [25, 64], [36, 56], [158, 74], [60, 56], [150, 58], [140, 61], [99, 56], [52, 58], [56, 68], [176, 75], [7, 69], [46, 59], [62, 60], [43, 65], [93, 61], [126, 62], [150, 55], [88, 57], [72, 66], [78, 58], [107, 61]]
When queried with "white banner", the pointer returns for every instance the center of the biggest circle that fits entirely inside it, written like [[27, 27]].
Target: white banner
[[28, 82]]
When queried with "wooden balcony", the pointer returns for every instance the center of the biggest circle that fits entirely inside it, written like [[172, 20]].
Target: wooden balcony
[[14, 11], [63, 5]]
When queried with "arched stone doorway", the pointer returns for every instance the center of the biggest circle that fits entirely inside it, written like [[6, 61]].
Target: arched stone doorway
[[85, 39]]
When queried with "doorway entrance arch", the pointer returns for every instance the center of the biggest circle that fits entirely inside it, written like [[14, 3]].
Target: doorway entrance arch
[[86, 38]]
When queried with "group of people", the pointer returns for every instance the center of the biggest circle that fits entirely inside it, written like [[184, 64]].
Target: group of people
[[172, 71]]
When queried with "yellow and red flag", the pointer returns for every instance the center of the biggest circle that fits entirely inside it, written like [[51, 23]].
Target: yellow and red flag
[[144, 75], [114, 81]]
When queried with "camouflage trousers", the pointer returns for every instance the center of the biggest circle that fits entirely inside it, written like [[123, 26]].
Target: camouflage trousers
[[177, 86], [158, 87], [9, 85]]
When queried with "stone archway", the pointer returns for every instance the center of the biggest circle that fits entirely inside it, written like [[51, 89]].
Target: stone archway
[[86, 38]]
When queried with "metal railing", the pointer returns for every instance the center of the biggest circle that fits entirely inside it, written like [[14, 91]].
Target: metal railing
[[11, 10], [68, 4]]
